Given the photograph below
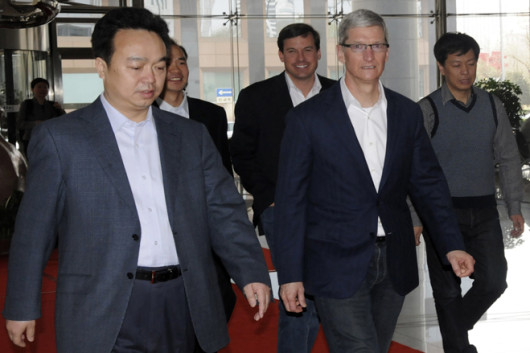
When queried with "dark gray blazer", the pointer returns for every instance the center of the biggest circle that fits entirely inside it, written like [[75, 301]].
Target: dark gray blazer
[[77, 193]]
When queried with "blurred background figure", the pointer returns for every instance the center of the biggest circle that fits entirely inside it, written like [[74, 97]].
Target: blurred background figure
[[35, 110]]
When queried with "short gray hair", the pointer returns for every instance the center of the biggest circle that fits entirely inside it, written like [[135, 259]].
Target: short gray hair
[[360, 18]]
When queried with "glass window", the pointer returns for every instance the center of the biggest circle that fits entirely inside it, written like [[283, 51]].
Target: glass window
[[503, 37], [80, 88]]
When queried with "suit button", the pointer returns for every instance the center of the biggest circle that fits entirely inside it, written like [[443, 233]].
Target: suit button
[[130, 275], [135, 237]]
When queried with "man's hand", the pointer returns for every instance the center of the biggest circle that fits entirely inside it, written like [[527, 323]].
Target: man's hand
[[258, 294], [518, 225], [463, 264], [417, 234], [18, 331], [293, 298]]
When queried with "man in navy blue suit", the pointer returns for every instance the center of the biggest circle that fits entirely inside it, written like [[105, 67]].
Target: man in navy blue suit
[[343, 230]]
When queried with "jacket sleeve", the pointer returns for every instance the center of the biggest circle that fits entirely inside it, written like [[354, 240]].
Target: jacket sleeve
[[507, 156], [244, 142], [232, 235]]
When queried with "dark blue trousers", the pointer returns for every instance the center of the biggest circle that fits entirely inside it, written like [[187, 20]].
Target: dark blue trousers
[[297, 333], [365, 322]]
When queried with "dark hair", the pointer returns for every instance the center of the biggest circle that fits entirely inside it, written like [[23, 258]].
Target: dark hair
[[39, 80], [125, 18], [454, 43], [175, 44], [295, 30]]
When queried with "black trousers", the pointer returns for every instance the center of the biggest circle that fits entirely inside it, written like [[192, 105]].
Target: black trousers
[[457, 313]]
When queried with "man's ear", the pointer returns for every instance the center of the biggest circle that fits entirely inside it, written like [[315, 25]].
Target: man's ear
[[441, 68], [340, 53], [280, 55], [101, 67]]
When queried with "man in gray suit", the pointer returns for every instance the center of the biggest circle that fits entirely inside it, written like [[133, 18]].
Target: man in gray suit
[[137, 199]]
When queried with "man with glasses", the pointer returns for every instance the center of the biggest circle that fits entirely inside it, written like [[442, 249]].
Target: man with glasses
[[343, 230], [470, 132], [255, 148]]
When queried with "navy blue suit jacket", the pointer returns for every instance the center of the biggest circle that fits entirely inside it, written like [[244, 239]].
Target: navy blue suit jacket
[[326, 205]]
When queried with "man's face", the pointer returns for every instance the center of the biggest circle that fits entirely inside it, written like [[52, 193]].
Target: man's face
[[177, 72], [366, 66], [40, 90], [136, 73], [460, 72], [300, 57]]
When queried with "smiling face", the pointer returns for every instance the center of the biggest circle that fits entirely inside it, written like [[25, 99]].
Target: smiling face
[[300, 57], [367, 66], [136, 73], [460, 72], [40, 91], [177, 71]]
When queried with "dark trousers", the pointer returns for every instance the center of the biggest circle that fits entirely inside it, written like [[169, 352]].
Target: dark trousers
[[458, 314], [365, 322], [157, 320], [297, 333]]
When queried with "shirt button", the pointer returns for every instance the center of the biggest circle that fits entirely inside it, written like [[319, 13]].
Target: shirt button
[[156, 242]]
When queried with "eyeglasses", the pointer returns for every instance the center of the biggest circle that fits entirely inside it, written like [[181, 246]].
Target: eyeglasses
[[359, 47]]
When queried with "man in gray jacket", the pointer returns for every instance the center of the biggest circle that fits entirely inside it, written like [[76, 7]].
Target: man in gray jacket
[[470, 132], [137, 200]]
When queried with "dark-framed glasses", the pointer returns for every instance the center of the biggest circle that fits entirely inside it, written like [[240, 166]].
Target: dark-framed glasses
[[360, 47]]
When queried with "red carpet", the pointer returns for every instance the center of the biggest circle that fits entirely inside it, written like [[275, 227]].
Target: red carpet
[[246, 334]]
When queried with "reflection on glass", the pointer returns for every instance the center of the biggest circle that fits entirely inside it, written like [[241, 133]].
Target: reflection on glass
[[280, 13], [219, 18], [504, 48]]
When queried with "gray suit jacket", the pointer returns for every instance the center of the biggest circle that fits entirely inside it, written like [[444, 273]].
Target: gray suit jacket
[[78, 193]]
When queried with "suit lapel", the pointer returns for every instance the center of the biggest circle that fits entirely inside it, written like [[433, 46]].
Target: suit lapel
[[391, 136], [282, 97], [169, 146], [338, 115], [105, 147]]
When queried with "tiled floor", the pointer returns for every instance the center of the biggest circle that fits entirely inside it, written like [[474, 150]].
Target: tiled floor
[[505, 328]]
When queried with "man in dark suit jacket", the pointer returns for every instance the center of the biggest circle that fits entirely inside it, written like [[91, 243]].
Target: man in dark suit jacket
[[349, 158], [255, 148], [137, 199], [175, 100]]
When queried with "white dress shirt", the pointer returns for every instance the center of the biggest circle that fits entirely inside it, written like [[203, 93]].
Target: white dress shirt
[[138, 144], [182, 110], [370, 125], [296, 94]]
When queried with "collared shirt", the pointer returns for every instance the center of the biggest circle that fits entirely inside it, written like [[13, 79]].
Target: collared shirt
[[138, 145], [296, 94], [182, 110], [370, 125]]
